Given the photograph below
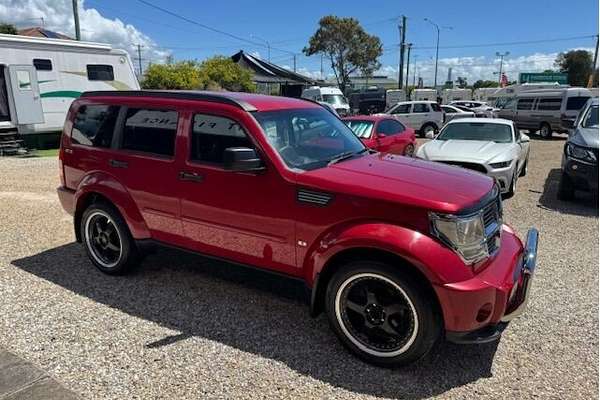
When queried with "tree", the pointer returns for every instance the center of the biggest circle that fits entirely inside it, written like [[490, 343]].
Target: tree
[[348, 47], [485, 84], [176, 75], [577, 64], [9, 29], [461, 82], [222, 73]]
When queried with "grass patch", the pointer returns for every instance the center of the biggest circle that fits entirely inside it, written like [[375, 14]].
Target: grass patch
[[45, 153]]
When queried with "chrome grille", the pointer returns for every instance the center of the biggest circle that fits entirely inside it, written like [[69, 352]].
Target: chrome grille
[[492, 223]]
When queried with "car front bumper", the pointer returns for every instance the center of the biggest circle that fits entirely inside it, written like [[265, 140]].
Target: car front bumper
[[583, 176], [503, 177], [477, 310]]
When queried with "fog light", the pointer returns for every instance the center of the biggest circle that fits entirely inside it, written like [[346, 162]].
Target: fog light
[[484, 312]]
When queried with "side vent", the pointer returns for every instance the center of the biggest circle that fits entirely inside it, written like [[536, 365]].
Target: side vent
[[312, 197]]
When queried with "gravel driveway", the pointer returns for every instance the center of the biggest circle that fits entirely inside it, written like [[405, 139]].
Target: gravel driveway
[[186, 327]]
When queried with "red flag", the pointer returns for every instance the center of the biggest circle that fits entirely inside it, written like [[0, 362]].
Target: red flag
[[503, 80]]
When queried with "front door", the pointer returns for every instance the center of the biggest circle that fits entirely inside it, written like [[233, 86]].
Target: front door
[[26, 94], [234, 215]]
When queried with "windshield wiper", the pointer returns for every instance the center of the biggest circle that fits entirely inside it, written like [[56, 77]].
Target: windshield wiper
[[345, 156]]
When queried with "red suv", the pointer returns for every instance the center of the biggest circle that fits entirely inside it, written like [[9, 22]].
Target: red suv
[[383, 133], [398, 252]]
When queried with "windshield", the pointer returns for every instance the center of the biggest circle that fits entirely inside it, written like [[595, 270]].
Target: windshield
[[499, 133], [334, 99], [362, 129], [591, 118], [308, 138]]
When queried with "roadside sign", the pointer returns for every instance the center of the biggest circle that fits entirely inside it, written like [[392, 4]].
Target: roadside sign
[[537, 77]]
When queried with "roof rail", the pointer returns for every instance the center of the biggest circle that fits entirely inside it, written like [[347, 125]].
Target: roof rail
[[175, 94]]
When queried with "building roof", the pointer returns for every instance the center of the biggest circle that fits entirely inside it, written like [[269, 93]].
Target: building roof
[[37, 31], [266, 72]]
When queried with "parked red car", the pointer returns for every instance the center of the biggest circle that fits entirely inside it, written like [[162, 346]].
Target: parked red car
[[383, 133], [398, 252]]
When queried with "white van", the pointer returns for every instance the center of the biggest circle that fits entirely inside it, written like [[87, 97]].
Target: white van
[[544, 110], [425, 117], [330, 95], [40, 77]]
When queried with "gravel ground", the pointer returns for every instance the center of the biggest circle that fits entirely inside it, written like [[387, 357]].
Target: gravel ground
[[185, 327]]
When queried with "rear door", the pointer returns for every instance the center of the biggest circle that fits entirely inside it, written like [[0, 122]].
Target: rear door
[[26, 94], [420, 114]]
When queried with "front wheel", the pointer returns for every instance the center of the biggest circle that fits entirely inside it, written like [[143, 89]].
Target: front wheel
[[409, 150], [382, 316], [524, 168], [107, 240], [545, 131], [428, 130]]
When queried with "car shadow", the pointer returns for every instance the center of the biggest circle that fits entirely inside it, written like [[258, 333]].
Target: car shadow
[[255, 312], [584, 204]]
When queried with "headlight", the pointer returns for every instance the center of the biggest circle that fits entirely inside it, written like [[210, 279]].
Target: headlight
[[465, 235], [499, 165], [580, 153]]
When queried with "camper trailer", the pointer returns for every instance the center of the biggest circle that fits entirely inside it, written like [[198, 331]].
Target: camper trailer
[[486, 95], [424, 95], [449, 95], [40, 77]]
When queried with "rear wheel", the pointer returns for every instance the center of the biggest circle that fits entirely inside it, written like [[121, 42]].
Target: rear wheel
[[107, 240], [566, 191], [545, 130], [409, 150], [428, 128], [383, 317]]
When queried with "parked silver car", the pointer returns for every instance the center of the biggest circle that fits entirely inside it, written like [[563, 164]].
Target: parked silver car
[[452, 112], [491, 146]]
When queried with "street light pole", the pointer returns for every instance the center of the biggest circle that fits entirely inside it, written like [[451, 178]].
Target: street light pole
[[501, 55], [437, 48], [268, 46]]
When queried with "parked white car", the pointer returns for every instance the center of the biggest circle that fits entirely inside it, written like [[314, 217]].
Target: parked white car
[[480, 108], [491, 146], [425, 117], [452, 112]]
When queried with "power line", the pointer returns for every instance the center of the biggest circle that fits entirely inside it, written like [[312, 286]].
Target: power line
[[465, 46]]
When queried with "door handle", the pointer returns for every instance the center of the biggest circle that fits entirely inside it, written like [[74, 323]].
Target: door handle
[[68, 150], [118, 164], [190, 176]]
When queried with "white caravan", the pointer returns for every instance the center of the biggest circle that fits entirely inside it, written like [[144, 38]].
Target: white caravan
[[449, 95], [330, 95], [40, 77], [393, 97], [486, 95], [424, 95]]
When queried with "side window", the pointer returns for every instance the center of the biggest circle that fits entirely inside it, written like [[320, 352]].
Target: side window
[[24, 80], [211, 135], [402, 109], [524, 104], [436, 107], [390, 127], [420, 108], [99, 72], [150, 131], [42, 64], [94, 125], [549, 104], [576, 103]]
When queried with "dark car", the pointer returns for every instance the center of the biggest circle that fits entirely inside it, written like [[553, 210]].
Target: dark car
[[580, 156]]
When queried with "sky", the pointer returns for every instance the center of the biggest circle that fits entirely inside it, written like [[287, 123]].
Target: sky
[[533, 32]]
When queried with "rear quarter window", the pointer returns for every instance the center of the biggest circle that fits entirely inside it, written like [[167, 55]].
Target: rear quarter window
[[150, 131], [436, 107], [576, 103], [94, 125]]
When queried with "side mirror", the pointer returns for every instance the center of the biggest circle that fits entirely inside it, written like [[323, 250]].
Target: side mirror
[[380, 135], [524, 138], [240, 159], [429, 135]]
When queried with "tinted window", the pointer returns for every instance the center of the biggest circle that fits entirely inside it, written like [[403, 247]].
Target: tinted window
[[150, 131], [436, 107], [401, 109], [98, 72], [390, 127], [211, 135], [94, 125], [524, 104], [549, 104], [42, 64], [449, 110], [576, 103], [420, 108]]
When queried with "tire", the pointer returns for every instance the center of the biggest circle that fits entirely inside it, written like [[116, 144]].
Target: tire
[[513, 186], [409, 150], [545, 131], [524, 169], [566, 191], [107, 240], [428, 127], [358, 303]]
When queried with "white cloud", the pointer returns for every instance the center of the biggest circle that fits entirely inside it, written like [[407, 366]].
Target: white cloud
[[58, 17]]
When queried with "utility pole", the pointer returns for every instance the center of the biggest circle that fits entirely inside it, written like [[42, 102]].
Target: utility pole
[[139, 48], [294, 62], [409, 45], [322, 66], [402, 30], [76, 18], [415, 72], [501, 55], [591, 78]]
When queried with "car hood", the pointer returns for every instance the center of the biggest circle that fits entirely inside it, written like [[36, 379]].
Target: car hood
[[463, 150], [403, 180], [586, 137]]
